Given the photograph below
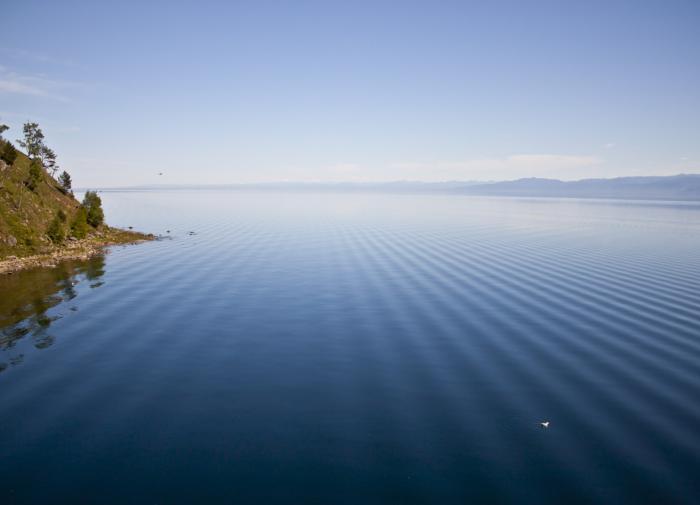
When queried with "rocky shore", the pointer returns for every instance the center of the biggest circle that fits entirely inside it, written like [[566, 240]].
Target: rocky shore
[[73, 250]]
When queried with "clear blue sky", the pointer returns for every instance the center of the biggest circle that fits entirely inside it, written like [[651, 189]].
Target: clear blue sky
[[224, 92]]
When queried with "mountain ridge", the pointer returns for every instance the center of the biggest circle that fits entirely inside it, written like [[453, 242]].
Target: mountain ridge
[[672, 187], [683, 187]]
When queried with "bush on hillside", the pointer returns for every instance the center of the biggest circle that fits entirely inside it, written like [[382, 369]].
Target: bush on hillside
[[79, 226], [34, 177], [93, 205], [8, 153], [55, 231]]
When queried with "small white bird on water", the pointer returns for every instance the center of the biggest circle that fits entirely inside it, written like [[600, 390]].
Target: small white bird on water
[[545, 424]]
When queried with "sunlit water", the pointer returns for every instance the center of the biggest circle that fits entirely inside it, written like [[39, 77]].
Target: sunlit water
[[360, 348]]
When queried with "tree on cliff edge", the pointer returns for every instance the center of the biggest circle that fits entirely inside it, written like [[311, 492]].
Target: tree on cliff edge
[[33, 139], [33, 144]]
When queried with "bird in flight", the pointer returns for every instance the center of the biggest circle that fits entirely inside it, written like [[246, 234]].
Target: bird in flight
[[545, 424]]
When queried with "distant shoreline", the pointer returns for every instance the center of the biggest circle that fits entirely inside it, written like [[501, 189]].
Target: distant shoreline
[[682, 187]]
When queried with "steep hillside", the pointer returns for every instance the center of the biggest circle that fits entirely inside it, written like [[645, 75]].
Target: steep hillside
[[31, 203], [25, 215]]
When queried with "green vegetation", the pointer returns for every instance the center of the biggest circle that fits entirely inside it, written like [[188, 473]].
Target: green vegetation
[[33, 140], [34, 176], [8, 153], [48, 159], [29, 200], [33, 294], [65, 180], [56, 231], [33, 144], [79, 227], [39, 214], [93, 204]]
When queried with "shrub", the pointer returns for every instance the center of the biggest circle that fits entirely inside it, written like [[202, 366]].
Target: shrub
[[34, 177], [55, 231], [8, 153], [79, 226], [93, 205]]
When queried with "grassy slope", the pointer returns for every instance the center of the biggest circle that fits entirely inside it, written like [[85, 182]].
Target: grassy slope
[[25, 215]]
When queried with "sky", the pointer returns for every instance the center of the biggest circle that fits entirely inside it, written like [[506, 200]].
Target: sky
[[213, 92]]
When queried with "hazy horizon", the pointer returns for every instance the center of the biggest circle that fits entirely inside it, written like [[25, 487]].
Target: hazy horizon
[[391, 181], [217, 93]]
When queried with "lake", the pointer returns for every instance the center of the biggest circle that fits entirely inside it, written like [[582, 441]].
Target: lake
[[359, 348]]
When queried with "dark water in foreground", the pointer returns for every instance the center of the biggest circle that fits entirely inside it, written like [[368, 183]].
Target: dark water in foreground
[[348, 348]]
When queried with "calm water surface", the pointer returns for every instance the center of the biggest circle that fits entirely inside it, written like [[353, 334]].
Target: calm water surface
[[360, 348]]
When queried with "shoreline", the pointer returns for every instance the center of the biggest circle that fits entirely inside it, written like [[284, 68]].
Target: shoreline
[[74, 250]]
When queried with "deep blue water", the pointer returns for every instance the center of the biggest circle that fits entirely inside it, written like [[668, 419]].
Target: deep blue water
[[360, 349]]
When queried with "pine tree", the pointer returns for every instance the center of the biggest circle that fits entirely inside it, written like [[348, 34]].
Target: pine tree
[[33, 140], [9, 153], [65, 181], [48, 159]]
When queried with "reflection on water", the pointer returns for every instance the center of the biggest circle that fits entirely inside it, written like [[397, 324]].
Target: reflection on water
[[29, 296]]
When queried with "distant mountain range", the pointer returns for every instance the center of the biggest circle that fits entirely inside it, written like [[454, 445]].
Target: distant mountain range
[[675, 187]]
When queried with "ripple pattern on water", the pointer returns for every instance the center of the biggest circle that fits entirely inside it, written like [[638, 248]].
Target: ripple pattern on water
[[351, 348]]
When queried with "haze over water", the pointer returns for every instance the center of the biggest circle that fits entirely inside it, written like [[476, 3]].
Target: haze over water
[[360, 348]]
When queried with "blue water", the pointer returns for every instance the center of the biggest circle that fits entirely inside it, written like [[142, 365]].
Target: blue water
[[360, 348]]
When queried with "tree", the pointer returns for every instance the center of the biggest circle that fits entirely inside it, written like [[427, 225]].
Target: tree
[[48, 159], [9, 153], [34, 177], [33, 140], [65, 181], [33, 144], [79, 226], [3, 129], [55, 231], [93, 206]]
